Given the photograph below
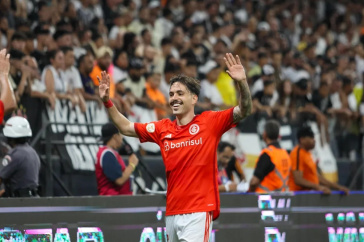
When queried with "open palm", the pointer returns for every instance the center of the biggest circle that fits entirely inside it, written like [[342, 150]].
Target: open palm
[[104, 86], [235, 68]]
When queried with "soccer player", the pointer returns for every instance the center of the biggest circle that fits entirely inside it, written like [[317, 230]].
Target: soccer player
[[188, 146]]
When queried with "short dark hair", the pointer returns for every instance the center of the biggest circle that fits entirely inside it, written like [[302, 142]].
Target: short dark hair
[[66, 49], [19, 36], [222, 145], [271, 129], [60, 33], [305, 131], [192, 84]]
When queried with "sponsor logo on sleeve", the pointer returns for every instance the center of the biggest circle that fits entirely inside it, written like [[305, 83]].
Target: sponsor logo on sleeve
[[151, 128]]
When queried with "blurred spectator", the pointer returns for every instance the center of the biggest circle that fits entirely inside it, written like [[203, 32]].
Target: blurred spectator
[[273, 165], [85, 67], [72, 77], [54, 79], [225, 152], [305, 174], [18, 41], [152, 89], [263, 101], [112, 174]]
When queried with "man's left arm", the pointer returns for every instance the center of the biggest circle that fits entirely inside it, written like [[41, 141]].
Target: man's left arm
[[237, 73], [332, 185]]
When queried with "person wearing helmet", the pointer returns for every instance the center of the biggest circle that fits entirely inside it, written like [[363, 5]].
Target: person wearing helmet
[[21, 164]]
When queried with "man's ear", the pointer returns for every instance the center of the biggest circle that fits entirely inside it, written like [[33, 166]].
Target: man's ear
[[194, 98]]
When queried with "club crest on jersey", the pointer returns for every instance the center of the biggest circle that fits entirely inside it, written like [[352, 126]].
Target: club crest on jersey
[[151, 128], [194, 128]]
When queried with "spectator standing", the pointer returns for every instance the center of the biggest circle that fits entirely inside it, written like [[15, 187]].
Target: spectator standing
[[273, 165], [21, 164], [112, 174], [305, 174]]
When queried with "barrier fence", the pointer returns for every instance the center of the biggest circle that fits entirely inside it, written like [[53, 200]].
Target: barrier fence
[[244, 217]]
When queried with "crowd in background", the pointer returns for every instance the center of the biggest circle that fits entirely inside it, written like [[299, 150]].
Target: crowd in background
[[304, 59]]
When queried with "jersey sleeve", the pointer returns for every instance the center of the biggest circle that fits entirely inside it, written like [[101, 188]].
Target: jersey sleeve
[[221, 121], [148, 132], [110, 166], [1, 111]]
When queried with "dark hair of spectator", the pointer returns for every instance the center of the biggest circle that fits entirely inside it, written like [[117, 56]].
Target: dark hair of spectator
[[171, 67], [222, 145], [39, 30], [19, 36], [117, 54], [16, 54], [60, 33], [66, 49], [52, 54], [262, 55], [144, 31], [193, 85], [271, 129], [81, 59], [304, 131], [95, 36], [166, 12], [166, 41]]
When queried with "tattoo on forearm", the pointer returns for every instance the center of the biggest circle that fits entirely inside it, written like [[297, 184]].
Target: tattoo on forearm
[[245, 102]]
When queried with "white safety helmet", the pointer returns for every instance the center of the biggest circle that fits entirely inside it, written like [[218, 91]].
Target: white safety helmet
[[17, 127]]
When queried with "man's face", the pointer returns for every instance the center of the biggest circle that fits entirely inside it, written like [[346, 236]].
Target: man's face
[[58, 61], [181, 100], [104, 62], [308, 142], [18, 45], [225, 156], [135, 74], [69, 59], [65, 41], [88, 63]]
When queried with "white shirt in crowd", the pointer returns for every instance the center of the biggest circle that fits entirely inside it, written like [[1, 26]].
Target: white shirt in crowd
[[73, 78], [60, 83], [211, 92]]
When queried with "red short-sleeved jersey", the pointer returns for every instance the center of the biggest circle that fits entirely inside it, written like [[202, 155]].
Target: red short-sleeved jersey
[[1, 111], [189, 155]]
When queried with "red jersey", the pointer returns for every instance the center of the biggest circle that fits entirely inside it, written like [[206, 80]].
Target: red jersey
[[104, 185], [189, 155], [1, 111]]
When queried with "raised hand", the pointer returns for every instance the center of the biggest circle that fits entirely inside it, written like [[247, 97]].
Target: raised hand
[[4, 62], [104, 86], [235, 69]]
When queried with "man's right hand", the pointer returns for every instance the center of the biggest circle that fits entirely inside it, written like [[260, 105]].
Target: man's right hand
[[133, 159], [104, 86], [325, 190], [4, 62]]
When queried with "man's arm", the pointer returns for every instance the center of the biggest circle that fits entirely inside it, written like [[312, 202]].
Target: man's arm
[[7, 94], [237, 73], [263, 168], [120, 121], [332, 185], [300, 181]]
